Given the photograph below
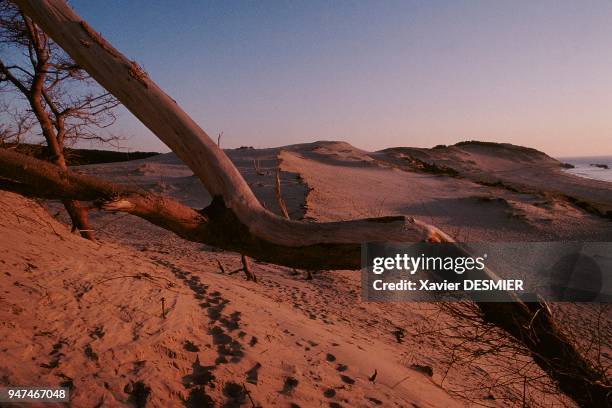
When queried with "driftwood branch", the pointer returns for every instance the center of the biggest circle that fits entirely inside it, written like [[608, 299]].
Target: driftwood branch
[[236, 220], [284, 212], [279, 197], [246, 267]]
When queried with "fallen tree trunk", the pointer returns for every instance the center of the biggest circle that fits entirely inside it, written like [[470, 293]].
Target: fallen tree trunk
[[236, 220]]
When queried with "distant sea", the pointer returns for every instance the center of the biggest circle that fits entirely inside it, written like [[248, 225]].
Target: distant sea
[[584, 167]]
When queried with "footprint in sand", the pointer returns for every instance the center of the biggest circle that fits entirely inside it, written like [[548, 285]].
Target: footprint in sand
[[226, 346], [252, 375], [190, 346], [236, 395], [374, 400], [139, 393], [347, 380], [341, 367], [329, 393], [289, 385], [200, 375]]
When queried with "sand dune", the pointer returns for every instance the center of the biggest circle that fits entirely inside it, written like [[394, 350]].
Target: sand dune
[[88, 314], [516, 168]]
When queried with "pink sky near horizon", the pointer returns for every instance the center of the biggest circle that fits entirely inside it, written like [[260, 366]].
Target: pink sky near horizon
[[375, 75]]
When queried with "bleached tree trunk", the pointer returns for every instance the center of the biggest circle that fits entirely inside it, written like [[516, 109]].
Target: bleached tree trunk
[[236, 220]]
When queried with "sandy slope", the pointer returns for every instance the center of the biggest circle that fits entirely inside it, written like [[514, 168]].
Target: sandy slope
[[334, 180], [88, 314], [348, 183], [517, 168]]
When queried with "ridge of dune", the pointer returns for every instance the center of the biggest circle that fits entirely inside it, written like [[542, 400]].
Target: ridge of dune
[[515, 168], [471, 191], [464, 189]]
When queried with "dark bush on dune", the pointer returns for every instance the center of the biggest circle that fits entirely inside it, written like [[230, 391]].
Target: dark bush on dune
[[79, 157]]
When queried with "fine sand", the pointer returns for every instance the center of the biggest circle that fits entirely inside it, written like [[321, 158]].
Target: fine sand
[[88, 315]]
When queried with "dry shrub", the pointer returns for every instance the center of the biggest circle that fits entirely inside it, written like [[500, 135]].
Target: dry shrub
[[501, 369]]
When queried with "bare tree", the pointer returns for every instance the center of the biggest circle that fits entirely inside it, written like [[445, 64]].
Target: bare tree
[[53, 91], [15, 125], [236, 220]]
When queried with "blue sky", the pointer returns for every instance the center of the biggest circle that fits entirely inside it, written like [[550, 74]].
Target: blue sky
[[375, 74]]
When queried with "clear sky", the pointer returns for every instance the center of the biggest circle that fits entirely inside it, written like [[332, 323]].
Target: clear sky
[[374, 73]]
